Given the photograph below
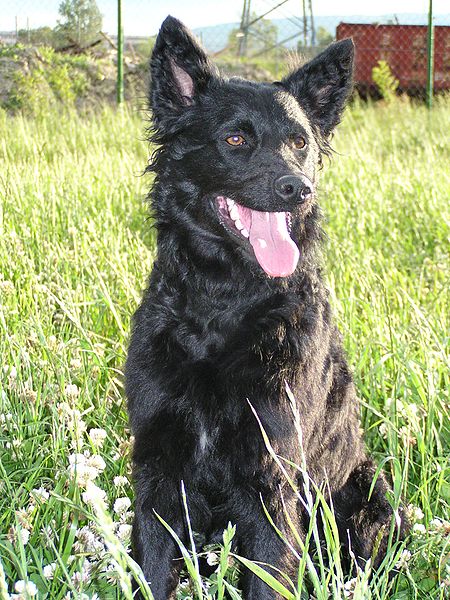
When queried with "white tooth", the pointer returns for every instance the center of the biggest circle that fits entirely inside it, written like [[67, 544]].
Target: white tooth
[[245, 233], [239, 225], [234, 213]]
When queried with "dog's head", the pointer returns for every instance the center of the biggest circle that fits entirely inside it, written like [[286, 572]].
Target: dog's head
[[241, 158]]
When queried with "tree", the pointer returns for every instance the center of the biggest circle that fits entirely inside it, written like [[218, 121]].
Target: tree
[[261, 34], [42, 36], [81, 22], [324, 37]]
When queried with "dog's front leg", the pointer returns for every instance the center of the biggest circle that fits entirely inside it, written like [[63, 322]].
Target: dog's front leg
[[259, 541], [364, 515], [153, 546]]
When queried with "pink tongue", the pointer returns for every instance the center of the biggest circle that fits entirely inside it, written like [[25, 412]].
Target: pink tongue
[[274, 249]]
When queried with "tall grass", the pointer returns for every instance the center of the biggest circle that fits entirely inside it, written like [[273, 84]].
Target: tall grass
[[75, 250]]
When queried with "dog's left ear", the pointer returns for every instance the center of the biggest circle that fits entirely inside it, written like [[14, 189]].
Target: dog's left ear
[[323, 85], [180, 71]]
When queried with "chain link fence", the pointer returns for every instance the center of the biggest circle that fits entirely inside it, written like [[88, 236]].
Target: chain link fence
[[396, 51]]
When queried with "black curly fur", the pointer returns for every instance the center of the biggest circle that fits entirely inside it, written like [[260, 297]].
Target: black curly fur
[[214, 333]]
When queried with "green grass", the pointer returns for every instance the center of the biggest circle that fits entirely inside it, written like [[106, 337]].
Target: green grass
[[75, 251]]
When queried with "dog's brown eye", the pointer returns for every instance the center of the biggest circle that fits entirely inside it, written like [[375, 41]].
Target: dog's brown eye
[[299, 142], [235, 140]]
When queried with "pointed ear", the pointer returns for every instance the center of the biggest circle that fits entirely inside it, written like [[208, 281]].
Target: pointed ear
[[180, 71], [322, 86]]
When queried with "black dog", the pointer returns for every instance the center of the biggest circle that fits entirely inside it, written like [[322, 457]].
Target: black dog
[[235, 310]]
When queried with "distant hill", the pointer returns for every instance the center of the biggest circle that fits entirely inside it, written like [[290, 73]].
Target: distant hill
[[215, 37]]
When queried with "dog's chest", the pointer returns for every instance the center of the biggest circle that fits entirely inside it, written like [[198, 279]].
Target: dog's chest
[[205, 440]]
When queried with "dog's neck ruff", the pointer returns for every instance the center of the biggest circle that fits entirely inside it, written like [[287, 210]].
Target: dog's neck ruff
[[268, 234]]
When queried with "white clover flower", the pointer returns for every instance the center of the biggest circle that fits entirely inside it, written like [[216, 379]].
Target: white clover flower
[[212, 559], [436, 523], [85, 469], [49, 570], [124, 532], [350, 587], [19, 586], [96, 462], [40, 493], [440, 526], [97, 436], [72, 391], [414, 512], [88, 542], [120, 480], [419, 528], [76, 458], [93, 494], [127, 516], [52, 342], [403, 560], [121, 505], [398, 404], [24, 517], [24, 535], [76, 363], [84, 575], [47, 535], [26, 587], [383, 429], [72, 417], [4, 418], [84, 474], [7, 286], [405, 433], [185, 585], [64, 409], [418, 513]]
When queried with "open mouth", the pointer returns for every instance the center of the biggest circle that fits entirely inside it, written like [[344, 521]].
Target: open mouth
[[268, 234]]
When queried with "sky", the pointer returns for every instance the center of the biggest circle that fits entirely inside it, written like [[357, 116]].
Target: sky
[[143, 17]]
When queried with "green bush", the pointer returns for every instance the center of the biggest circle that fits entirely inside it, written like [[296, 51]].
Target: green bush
[[385, 81], [44, 76]]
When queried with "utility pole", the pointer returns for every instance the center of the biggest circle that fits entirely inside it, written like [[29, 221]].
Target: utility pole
[[313, 29], [119, 53], [305, 23], [430, 56], [243, 33]]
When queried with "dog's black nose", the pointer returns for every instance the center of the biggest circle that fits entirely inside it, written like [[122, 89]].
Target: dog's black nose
[[292, 187]]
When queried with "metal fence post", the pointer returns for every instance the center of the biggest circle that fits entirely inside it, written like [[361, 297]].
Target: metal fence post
[[430, 55], [119, 53]]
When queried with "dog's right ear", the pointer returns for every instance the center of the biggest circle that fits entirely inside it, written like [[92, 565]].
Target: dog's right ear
[[180, 71]]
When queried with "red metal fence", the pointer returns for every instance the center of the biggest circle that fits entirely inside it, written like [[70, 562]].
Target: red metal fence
[[404, 48]]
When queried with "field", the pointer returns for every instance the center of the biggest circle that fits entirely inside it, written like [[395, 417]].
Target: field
[[75, 250]]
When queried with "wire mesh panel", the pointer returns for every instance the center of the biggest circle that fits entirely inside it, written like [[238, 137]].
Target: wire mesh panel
[[404, 49]]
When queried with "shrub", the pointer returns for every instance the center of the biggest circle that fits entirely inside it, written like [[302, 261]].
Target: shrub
[[385, 81]]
